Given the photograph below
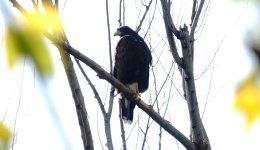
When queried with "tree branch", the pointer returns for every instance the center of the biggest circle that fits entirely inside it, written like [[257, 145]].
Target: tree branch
[[142, 20], [169, 27], [109, 37], [19, 7], [92, 87], [74, 86], [111, 101], [196, 19], [121, 5], [193, 12], [106, 115], [168, 18], [131, 96], [78, 100], [122, 129]]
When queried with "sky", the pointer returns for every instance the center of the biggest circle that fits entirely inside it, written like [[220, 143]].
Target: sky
[[42, 113]]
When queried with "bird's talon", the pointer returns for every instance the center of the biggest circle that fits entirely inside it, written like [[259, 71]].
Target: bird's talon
[[136, 96]]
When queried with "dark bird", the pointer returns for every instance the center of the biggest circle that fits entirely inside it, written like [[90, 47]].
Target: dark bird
[[132, 61]]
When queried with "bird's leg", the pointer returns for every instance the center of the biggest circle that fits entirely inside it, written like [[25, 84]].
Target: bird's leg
[[134, 88]]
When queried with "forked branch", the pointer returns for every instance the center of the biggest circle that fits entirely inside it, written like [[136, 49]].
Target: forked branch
[[131, 96]]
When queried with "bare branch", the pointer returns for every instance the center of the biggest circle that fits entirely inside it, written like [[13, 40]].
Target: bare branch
[[92, 87], [78, 100], [106, 115], [122, 129], [131, 96], [111, 100], [152, 19], [121, 14], [193, 12], [196, 19], [109, 37], [207, 98], [145, 132], [169, 27], [112, 90], [168, 18], [142, 20], [19, 103]]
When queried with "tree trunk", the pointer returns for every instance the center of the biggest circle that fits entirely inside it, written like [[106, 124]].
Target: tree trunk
[[198, 134]]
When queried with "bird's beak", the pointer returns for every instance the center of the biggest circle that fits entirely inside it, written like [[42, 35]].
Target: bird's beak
[[117, 33]]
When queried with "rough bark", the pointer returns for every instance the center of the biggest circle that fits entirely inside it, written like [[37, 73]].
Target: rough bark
[[198, 133], [78, 100]]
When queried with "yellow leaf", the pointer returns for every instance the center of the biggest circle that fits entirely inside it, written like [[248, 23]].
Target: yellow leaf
[[13, 49], [5, 136], [248, 99], [48, 21], [24, 40]]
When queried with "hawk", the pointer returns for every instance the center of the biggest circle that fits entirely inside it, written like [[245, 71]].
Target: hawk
[[132, 61]]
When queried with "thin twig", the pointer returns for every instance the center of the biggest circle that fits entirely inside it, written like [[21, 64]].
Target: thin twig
[[145, 132], [100, 141], [19, 103], [122, 128], [207, 98], [151, 21], [144, 15], [92, 87], [109, 37]]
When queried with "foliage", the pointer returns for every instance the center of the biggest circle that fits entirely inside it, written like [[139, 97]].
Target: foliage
[[26, 42], [248, 94], [25, 39], [5, 136], [248, 98]]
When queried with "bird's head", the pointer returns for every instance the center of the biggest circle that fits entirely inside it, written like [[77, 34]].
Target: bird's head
[[124, 30]]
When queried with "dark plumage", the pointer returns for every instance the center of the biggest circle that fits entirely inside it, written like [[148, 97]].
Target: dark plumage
[[132, 61]]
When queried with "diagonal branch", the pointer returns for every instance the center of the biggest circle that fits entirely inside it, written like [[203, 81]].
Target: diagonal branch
[[19, 7], [131, 96], [142, 20], [92, 87]]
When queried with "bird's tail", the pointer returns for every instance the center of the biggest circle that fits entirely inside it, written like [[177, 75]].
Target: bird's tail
[[127, 109]]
